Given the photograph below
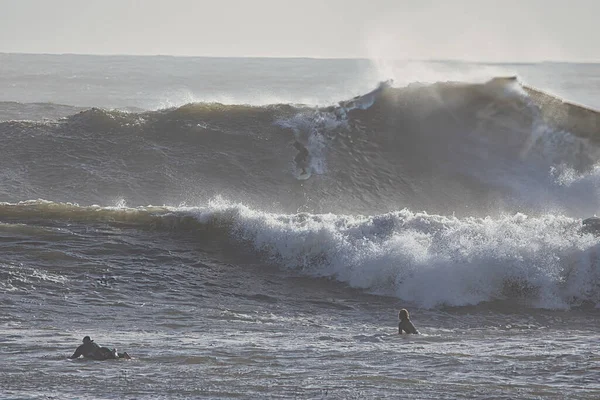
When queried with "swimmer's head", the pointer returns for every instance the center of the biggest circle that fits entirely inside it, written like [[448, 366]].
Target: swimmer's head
[[403, 314]]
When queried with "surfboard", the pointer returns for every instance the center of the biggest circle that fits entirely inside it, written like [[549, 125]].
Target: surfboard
[[303, 176]]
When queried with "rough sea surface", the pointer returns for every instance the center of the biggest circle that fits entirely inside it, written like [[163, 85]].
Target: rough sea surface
[[249, 228]]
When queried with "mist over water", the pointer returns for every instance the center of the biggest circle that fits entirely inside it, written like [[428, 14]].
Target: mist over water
[[200, 212]]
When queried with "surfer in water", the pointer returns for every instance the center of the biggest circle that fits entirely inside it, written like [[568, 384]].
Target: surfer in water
[[301, 158], [405, 324], [89, 349]]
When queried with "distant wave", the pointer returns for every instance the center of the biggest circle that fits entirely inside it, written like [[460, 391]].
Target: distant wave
[[14, 111]]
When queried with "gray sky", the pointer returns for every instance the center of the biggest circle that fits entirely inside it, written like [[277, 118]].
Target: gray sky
[[484, 30]]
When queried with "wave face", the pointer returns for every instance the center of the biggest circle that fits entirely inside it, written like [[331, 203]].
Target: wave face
[[441, 194]]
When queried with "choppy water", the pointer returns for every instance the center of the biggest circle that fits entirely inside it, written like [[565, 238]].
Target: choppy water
[[154, 203]]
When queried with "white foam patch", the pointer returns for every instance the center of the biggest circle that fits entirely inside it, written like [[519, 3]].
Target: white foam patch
[[17, 278], [309, 129], [430, 260]]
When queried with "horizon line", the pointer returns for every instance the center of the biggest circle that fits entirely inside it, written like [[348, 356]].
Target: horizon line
[[455, 60]]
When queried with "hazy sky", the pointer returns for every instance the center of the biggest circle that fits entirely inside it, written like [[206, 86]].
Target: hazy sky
[[484, 30]]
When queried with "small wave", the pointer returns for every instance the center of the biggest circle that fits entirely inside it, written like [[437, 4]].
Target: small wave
[[428, 260]]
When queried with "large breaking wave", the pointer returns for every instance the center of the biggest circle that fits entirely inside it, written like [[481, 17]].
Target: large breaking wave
[[469, 149]]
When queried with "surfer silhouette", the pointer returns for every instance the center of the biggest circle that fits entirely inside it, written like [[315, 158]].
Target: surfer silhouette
[[405, 323], [89, 349], [301, 158]]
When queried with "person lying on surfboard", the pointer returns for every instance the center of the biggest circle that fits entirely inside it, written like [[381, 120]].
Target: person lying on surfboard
[[405, 324], [89, 349]]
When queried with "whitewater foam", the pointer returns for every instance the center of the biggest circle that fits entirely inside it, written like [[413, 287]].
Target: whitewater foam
[[431, 260]]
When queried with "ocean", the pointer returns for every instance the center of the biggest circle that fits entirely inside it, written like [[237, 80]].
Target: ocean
[[250, 228]]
